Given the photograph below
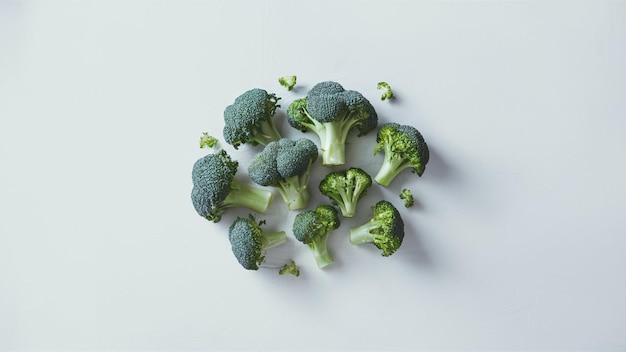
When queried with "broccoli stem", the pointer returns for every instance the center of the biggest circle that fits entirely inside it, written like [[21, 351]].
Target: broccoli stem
[[390, 168], [267, 133], [254, 198], [333, 144], [361, 234], [295, 191], [273, 239], [320, 251]]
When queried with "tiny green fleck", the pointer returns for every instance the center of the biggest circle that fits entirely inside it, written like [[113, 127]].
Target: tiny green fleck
[[290, 268], [287, 81], [207, 141]]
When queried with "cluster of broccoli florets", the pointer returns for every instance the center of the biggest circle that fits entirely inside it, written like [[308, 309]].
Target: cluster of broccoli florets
[[330, 112]]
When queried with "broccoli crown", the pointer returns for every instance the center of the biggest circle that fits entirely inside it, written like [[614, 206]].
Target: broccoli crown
[[212, 176], [404, 147], [285, 164], [250, 119], [249, 242], [345, 188], [332, 112], [385, 229], [215, 187], [407, 196], [312, 228], [312, 224]]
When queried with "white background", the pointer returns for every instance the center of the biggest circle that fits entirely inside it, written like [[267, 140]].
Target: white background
[[517, 240]]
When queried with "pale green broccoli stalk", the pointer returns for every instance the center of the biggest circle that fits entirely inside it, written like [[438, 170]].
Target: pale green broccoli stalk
[[291, 268], [345, 188], [407, 196], [332, 112], [215, 188], [288, 81], [312, 228], [250, 119], [385, 230], [285, 165], [249, 242], [207, 141], [404, 147], [387, 92]]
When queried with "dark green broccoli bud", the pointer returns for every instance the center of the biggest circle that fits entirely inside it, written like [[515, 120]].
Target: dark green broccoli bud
[[215, 188], [332, 112], [404, 147], [207, 141], [345, 188], [312, 228], [286, 165], [288, 81], [290, 268], [407, 196], [385, 230], [250, 119], [249, 242], [387, 92]]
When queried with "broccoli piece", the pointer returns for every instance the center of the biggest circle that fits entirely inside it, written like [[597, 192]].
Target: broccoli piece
[[407, 196], [312, 228], [387, 92], [249, 242], [250, 119], [215, 188], [288, 81], [290, 268], [385, 230], [285, 165], [345, 188], [404, 147], [207, 141], [331, 112]]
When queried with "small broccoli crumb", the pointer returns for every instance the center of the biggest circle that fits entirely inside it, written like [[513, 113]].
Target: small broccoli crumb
[[387, 92], [290, 268], [207, 141], [407, 196], [288, 81]]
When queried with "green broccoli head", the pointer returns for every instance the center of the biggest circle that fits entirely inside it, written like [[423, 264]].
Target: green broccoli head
[[331, 112], [249, 242], [387, 92], [407, 196], [345, 188], [385, 230], [312, 228], [404, 147], [286, 165], [288, 81], [250, 119], [215, 188]]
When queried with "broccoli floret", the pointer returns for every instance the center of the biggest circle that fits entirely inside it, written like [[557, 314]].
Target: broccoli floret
[[215, 188], [387, 92], [404, 147], [207, 141], [385, 230], [345, 188], [288, 81], [290, 268], [312, 228], [285, 165], [249, 242], [331, 112], [407, 196], [250, 119]]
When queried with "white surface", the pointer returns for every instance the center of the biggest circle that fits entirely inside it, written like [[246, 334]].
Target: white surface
[[517, 241]]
